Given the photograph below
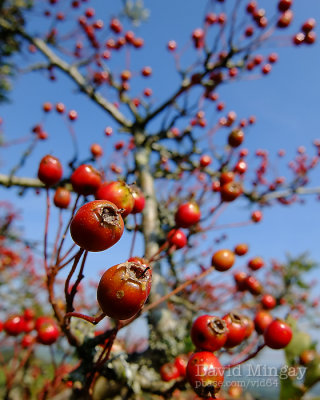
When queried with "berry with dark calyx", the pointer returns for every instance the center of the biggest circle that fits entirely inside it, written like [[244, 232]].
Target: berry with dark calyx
[[139, 200], [62, 197], [278, 334], [209, 333], [255, 263], [14, 325], [123, 289], [222, 260], [268, 302], [230, 191], [236, 329], [50, 170], [177, 238], [241, 249], [205, 374], [235, 138], [188, 214], [262, 320], [119, 193], [48, 333], [85, 180], [253, 285], [169, 372], [240, 280], [97, 225]]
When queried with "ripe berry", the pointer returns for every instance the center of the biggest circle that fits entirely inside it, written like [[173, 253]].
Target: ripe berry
[[309, 25], [284, 5], [230, 191], [268, 301], [123, 289], [198, 38], [73, 115], [255, 263], [262, 320], [249, 324], [50, 170], [181, 363], [205, 160], [172, 45], [115, 25], [253, 285], [209, 333], [240, 280], [139, 200], [48, 333], [85, 180], [307, 356], [236, 329], [223, 260], [62, 198], [169, 372], [27, 341], [205, 374], [96, 150], [241, 249], [177, 238], [119, 194], [14, 325], [285, 19], [256, 216], [235, 138], [278, 334], [188, 214], [226, 177], [97, 225], [47, 106]]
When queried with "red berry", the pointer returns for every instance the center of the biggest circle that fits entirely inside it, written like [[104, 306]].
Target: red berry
[[62, 198], [97, 225], [209, 333], [47, 107], [205, 374], [223, 260], [60, 107], [268, 301], [85, 180], [48, 333], [256, 216], [177, 238], [14, 325], [241, 249], [236, 329], [27, 341], [188, 214], [310, 37], [50, 170], [255, 263], [169, 372], [230, 191], [139, 200], [253, 285], [28, 314], [123, 289], [249, 324], [205, 160], [241, 167], [181, 362], [309, 25], [278, 334], [235, 138], [284, 5], [262, 320], [226, 177], [115, 25], [240, 280], [285, 19], [119, 194], [73, 115], [96, 150], [172, 45]]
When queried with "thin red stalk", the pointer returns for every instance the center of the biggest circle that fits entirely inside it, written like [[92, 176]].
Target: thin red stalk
[[92, 320], [249, 357], [73, 268], [46, 230], [57, 235], [76, 284]]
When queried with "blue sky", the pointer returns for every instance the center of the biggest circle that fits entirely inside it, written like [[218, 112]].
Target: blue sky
[[286, 105]]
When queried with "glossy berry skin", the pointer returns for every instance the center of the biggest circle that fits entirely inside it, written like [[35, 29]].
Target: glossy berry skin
[[262, 320], [278, 334], [235, 138], [96, 150], [42, 320], [123, 289], [188, 214], [48, 333], [169, 372], [249, 324], [241, 249], [240, 280], [14, 325], [62, 198], [209, 333], [223, 260], [139, 200], [226, 177], [27, 341], [268, 302], [256, 216], [255, 263], [181, 363], [205, 374], [205, 160], [236, 329], [50, 170], [97, 225], [253, 285], [119, 194], [177, 238], [85, 180], [230, 191]]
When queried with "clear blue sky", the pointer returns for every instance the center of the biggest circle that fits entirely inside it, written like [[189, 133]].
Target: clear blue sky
[[286, 104]]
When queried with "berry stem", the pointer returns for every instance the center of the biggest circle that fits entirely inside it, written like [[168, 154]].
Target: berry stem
[[249, 357], [46, 230], [69, 300]]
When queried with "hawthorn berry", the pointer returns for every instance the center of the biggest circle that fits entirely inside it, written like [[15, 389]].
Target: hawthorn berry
[[278, 334], [97, 225], [139, 200], [27, 341], [85, 180], [226, 177], [249, 324], [123, 289], [96, 150], [268, 301], [62, 197], [209, 333], [223, 260], [255, 263], [256, 216], [188, 214], [181, 363], [235, 138], [205, 374], [240, 280], [48, 333], [169, 372], [119, 194], [236, 329], [253, 285], [262, 320], [230, 191], [241, 249], [177, 238], [50, 170], [14, 325]]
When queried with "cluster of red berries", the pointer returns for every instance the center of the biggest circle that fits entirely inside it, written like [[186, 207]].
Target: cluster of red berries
[[45, 328]]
